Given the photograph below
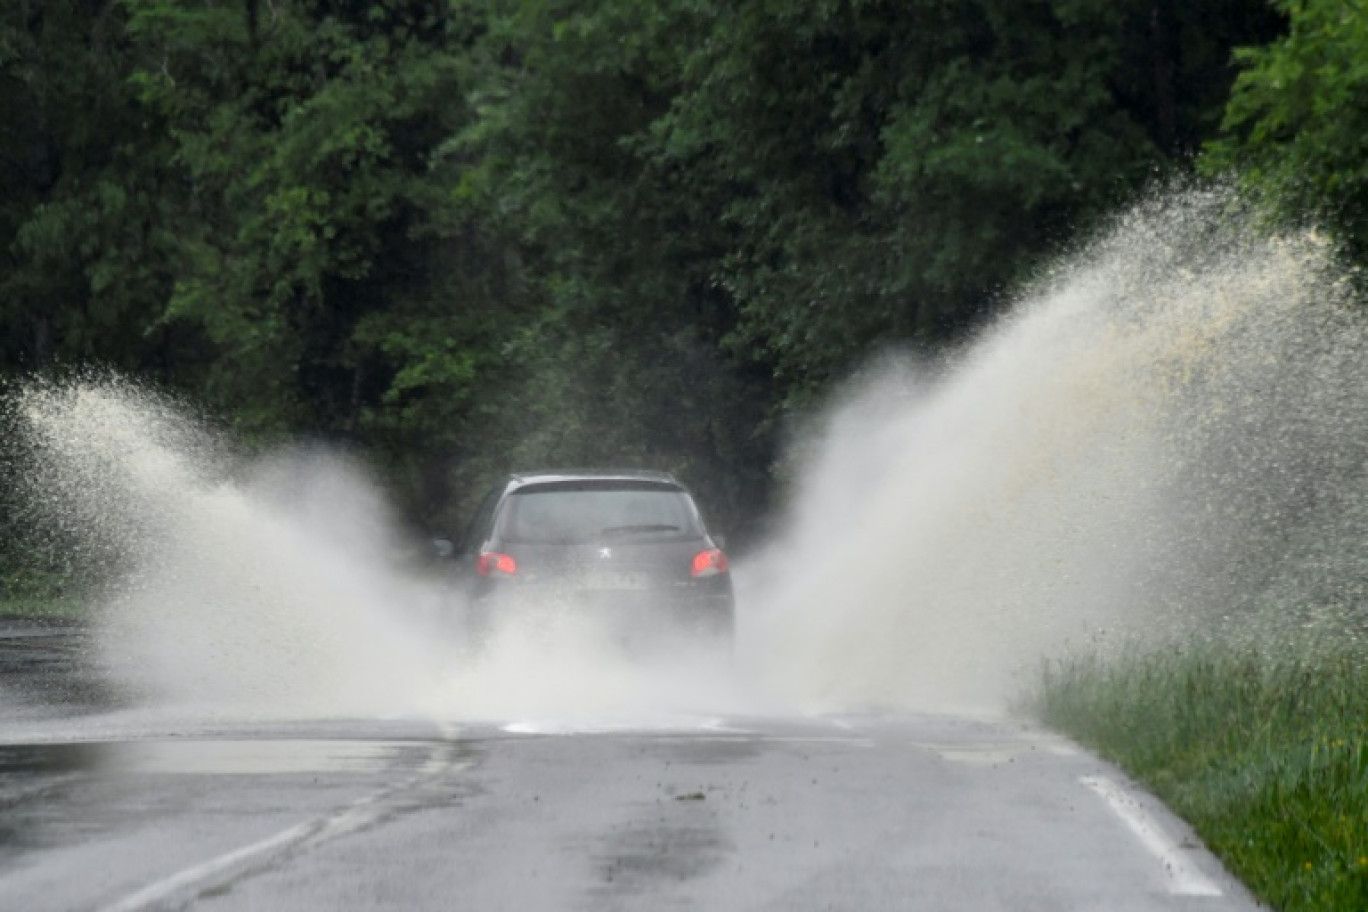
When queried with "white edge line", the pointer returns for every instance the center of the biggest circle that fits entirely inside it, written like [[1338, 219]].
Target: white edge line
[[349, 818], [1184, 880], [163, 889]]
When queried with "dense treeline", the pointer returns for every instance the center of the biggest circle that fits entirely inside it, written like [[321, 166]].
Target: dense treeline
[[464, 235]]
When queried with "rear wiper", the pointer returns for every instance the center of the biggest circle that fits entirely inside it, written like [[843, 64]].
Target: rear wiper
[[632, 530]]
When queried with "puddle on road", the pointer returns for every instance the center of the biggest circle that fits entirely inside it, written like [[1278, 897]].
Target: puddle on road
[[206, 757], [45, 671], [994, 753]]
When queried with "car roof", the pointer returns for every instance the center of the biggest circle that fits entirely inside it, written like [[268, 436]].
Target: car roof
[[551, 476]]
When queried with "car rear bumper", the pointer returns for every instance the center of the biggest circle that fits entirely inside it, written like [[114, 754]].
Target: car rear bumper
[[703, 610]]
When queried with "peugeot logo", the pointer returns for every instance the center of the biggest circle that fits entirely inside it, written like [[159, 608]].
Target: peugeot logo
[[605, 553]]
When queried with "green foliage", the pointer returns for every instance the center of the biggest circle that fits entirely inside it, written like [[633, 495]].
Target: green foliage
[[618, 361], [1266, 754], [780, 188], [823, 178], [306, 141], [1298, 114], [83, 223], [469, 235], [926, 161]]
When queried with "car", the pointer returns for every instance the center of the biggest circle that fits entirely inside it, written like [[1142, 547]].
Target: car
[[628, 545]]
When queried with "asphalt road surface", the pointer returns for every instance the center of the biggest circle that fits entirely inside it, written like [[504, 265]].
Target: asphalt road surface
[[102, 810]]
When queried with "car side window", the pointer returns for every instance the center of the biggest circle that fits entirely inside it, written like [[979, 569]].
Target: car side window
[[478, 530]]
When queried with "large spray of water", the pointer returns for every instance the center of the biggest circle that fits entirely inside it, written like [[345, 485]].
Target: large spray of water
[[1166, 430], [267, 590], [1166, 436]]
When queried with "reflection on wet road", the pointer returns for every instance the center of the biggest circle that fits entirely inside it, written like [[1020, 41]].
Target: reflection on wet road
[[46, 670], [109, 810], [201, 757]]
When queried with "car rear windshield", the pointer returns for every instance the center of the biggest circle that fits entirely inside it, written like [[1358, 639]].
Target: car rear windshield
[[570, 512]]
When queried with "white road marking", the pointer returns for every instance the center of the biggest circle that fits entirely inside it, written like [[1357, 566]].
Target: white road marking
[[666, 724], [195, 880], [190, 877], [1184, 879]]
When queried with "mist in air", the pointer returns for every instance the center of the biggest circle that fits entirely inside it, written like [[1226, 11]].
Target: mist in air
[[1164, 438]]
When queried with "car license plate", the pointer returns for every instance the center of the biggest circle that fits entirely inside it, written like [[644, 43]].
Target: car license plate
[[619, 579]]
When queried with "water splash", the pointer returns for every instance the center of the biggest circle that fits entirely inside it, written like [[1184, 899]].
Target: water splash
[[1128, 455], [269, 592], [254, 588], [1165, 437]]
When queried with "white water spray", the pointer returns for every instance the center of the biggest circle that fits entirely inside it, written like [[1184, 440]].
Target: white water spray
[[268, 594], [1126, 457], [1167, 436]]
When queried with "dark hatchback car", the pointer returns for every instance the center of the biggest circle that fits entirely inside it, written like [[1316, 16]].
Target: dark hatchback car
[[630, 544]]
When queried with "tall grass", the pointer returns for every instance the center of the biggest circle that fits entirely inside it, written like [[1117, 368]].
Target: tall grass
[[1264, 753], [33, 594], [47, 609]]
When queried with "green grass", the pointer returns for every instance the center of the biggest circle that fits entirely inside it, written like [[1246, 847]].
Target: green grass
[[32, 593], [37, 592], [51, 608], [1265, 754]]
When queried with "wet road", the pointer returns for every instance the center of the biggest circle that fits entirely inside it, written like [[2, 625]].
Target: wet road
[[869, 812]]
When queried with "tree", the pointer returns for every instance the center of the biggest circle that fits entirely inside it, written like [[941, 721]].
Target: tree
[[83, 219], [833, 176], [621, 361], [886, 170], [782, 187], [1298, 114], [330, 256], [474, 235]]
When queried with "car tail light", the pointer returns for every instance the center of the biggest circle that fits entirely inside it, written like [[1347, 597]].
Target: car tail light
[[709, 563], [492, 563]]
